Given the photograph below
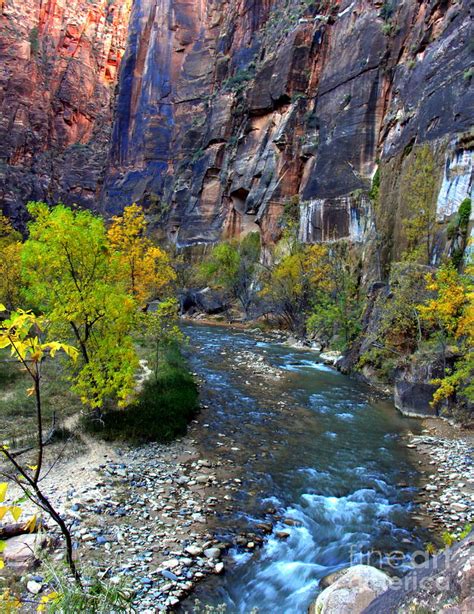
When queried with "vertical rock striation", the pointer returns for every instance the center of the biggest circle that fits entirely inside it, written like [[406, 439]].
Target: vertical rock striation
[[59, 66], [227, 109]]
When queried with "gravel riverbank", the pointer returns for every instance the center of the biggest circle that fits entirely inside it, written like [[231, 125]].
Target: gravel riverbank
[[446, 457]]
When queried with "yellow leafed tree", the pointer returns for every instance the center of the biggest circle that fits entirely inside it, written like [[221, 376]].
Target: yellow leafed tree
[[450, 313], [145, 267], [10, 263]]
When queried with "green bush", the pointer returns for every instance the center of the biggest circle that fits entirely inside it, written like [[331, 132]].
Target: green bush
[[160, 413], [464, 214]]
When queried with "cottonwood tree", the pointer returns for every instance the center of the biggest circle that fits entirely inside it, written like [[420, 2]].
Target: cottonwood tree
[[10, 264], [144, 267], [336, 305], [160, 327], [73, 277], [232, 267], [420, 188], [449, 316], [293, 285]]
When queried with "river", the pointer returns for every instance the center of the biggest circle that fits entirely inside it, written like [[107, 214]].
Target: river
[[320, 448]]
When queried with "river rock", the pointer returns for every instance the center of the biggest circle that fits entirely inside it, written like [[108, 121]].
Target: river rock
[[330, 358], [34, 587], [212, 553], [193, 550], [352, 592], [332, 577]]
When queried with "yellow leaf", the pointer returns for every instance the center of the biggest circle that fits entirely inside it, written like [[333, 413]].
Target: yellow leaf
[[3, 489], [2, 545], [33, 467], [2, 564], [46, 599], [2, 307], [36, 356], [3, 511], [30, 391], [16, 512], [30, 525]]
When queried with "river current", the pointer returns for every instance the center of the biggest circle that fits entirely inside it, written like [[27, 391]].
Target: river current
[[321, 449]]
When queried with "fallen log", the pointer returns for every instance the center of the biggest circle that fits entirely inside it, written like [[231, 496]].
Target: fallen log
[[18, 528]]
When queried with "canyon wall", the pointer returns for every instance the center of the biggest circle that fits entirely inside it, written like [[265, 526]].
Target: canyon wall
[[59, 63], [227, 110]]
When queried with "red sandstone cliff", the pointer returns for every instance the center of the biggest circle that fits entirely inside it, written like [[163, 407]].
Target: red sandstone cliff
[[59, 66]]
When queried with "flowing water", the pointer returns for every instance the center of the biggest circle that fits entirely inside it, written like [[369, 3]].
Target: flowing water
[[315, 445]]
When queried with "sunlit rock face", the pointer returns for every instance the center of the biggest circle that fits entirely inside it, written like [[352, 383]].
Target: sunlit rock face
[[59, 63], [226, 109]]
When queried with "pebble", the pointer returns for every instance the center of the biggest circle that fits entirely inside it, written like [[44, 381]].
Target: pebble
[[169, 575], [193, 550], [34, 587]]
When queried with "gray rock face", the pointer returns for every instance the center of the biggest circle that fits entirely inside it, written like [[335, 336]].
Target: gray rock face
[[445, 583], [414, 398], [352, 592], [413, 391]]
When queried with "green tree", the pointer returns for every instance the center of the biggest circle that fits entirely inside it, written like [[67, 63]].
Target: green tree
[[232, 266], [420, 189], [396, 330], [160, 326], [144, 267], [336, 309], [449, 316], [71, 276]]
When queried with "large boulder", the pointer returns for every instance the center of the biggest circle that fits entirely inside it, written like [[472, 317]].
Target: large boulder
[[21, 551], [204, 301], [413, 398], [352, 592], [413, 390]]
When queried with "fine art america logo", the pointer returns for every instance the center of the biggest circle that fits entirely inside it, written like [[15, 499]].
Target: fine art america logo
[[424, 566]]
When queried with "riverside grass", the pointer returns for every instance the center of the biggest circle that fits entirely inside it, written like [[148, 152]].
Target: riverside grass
[[161, 412]]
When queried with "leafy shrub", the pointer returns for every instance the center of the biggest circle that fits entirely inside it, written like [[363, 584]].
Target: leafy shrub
[[387, 10], [237, 82], [464, 214], [34, 41]]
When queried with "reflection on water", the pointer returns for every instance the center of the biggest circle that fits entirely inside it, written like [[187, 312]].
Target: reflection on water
[[318, 446]]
